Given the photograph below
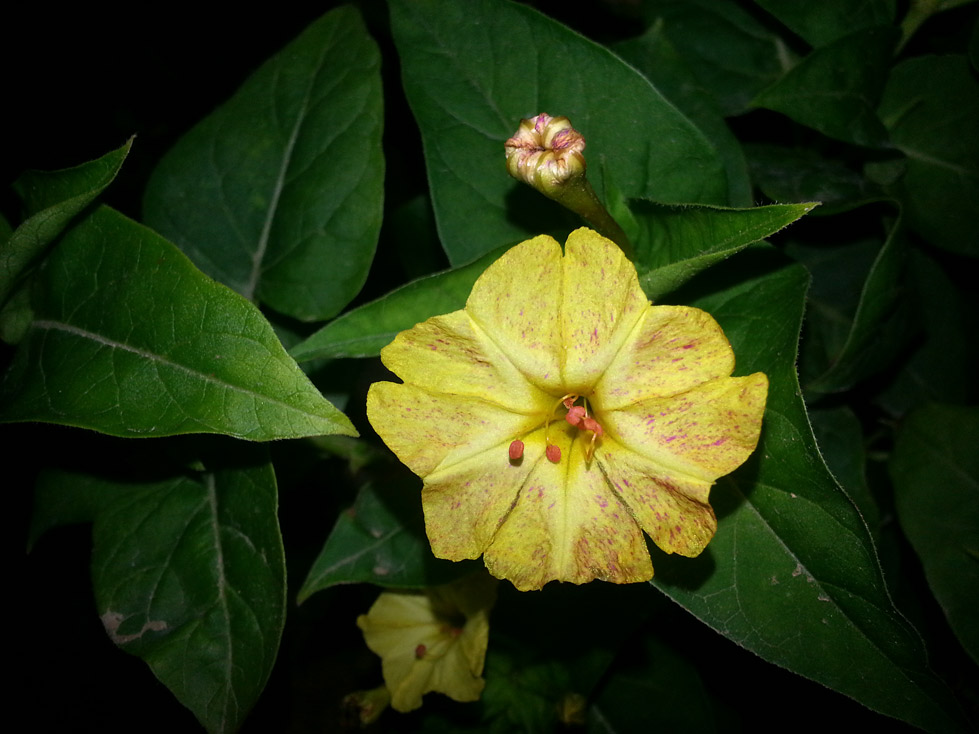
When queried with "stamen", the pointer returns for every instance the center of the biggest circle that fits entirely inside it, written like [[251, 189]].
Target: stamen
[[576, 413], [420, 652], [568, 402], [590, 424], [590, 448], [516, 450], [553, 453]]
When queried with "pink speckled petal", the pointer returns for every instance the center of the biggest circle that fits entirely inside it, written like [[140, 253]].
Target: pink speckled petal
[[516, 303], [673, 349], [451, 355], [466, 503], [601, 303], [567, 525], [703, 433], [429, 430], [670, 507]]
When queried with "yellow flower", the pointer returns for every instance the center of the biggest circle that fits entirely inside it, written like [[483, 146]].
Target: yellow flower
[[560, 414], [433, 640]]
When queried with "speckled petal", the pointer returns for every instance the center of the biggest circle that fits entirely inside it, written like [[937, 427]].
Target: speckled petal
[[673, 349], [670, 507], [428, 430], [451, 355], [703, 433], [567, 525], [516, 302], [601, 303], [466, 503]]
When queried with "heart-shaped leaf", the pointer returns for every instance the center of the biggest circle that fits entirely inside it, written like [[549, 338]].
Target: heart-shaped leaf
[[935, 469], [130, 339], [731, 55], [836, 88], [676, 243], [381, 540], [931, 108], [278, 193], [792, 573], [52, 199], [189, 575], [473, 70]]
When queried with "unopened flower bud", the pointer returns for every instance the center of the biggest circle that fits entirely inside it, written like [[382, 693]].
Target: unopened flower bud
[[365, 707], [546, 153]]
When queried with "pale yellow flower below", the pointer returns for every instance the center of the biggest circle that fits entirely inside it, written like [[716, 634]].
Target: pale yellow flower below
[[432, 640], [560, 415]]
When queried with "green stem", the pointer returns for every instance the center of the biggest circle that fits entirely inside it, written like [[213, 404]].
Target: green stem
[[578, 196]]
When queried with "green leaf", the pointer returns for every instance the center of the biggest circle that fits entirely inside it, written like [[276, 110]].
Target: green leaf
[[731, 55], [365, 330], [551, 649], [823, 22], [801, 174], [935, 469], [839, 272], [676, 243], [880, 325], [278, 193], [942, 367], [381, 540], [660, 62], [668, 686], [931, 108], [130, 339], [792, 573], [473, 70], [16, 315], [52, 199], [189, 575], [840, 438], [524, 692], [836, 88]]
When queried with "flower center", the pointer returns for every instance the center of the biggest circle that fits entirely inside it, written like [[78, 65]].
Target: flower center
[[577, 415]]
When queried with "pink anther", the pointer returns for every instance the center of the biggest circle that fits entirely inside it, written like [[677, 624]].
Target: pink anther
[[420, 652], [553, 453], [575, 414], [590, 424], [516, 450]]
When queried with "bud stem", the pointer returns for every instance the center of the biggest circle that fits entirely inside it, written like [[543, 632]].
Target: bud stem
[[546, 153], [580, 198]]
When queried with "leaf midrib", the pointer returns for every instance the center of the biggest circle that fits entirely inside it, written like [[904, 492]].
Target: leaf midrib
[[48, 324]]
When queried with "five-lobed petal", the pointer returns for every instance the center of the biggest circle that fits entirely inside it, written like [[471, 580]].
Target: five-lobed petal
[[540, 326]]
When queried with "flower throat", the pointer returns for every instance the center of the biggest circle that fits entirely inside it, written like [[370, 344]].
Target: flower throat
[[577, 416]]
